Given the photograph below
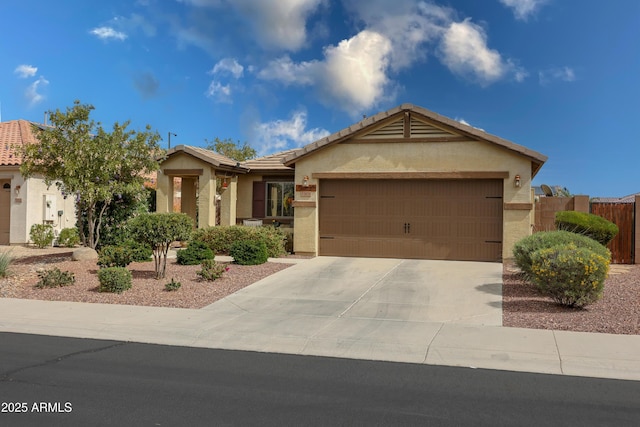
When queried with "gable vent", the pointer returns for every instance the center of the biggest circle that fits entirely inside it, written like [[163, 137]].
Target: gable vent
[[425, 130], [393, 130]]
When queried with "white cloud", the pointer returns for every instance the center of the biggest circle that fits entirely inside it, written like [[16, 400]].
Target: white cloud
[[465, 52], [32, 94], [352, 75], [464, 122], [409, 26], [228, 66], [280, 135], [218, 91], [286, 71], [279, 24], [106, 33], [564, 74], [24, 71], [522, 9]]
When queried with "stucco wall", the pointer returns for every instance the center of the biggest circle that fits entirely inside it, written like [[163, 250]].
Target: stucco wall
[[244, 205], [470, 156], [30, 210]]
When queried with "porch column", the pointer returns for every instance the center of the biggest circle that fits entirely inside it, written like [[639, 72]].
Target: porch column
[[164, 193], [207, 199], [188, 199], [228, 202]]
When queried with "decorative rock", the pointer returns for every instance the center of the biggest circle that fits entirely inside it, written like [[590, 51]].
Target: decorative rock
[[83, 254]]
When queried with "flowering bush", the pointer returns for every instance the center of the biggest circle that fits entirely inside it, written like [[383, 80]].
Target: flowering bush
[[524, 249], [212, 270], [571, 275]]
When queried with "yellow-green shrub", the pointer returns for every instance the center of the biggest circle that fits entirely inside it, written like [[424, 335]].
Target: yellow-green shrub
[[570, 275]]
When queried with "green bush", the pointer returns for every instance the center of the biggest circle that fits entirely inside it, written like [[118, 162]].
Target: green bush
[[158, 231], [524, 249], [248, 252], [114, 279], [6, 258], [69, 237], [114, 256], [572, 276], [54, 278], [172, 285], [195, 253], [220, 239], [594, 226], [212, 270], [139, 251], [41, 235]]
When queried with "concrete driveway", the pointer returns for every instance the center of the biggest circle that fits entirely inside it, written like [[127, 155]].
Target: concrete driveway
[[390, 289], [355, 307]]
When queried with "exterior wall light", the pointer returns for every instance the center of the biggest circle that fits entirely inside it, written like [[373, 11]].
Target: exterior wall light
[[516, 181], [17, 190], [305, 181]]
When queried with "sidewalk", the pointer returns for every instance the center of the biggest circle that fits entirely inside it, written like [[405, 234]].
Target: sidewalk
[[223, 325]]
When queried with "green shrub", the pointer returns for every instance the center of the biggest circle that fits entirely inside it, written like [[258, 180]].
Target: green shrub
[[114, 279], [6, 258], [68, 237], [114, 256], [572, 276], [172, 285], [139, 251], [594, 226], [524, 249], [212, 270], [220, 239], [54, 278], [41, 235], [248, 252], [158, 231], [195, 253]]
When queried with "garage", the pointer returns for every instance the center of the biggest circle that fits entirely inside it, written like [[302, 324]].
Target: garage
[[444, 219]]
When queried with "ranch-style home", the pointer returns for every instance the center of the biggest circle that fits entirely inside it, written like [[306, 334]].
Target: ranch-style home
[[26, 202], [404, 183]]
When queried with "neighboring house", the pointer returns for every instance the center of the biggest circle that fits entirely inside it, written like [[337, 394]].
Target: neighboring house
[[626, 199], [26, 202], [404, 183]]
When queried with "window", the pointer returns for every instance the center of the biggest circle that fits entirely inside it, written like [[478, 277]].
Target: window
[[280, 199]]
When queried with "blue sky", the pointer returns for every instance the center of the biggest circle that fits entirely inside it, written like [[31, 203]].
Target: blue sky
[[558, 76]]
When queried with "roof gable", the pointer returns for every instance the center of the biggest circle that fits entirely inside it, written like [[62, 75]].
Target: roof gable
[[409, 123], [207, 156]]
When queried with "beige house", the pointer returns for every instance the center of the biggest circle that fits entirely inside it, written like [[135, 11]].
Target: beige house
[[405, 183], [24, 202]]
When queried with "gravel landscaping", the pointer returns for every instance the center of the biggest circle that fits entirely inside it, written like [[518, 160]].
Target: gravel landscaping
[[146, 290], [618, 312]]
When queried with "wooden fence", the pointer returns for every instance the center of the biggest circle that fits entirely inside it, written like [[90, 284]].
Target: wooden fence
[[622, 215], [625, 215]]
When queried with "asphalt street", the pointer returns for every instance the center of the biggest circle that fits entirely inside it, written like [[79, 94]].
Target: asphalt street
[[57, 381]]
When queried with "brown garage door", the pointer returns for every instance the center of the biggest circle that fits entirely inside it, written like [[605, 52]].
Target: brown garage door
[[425, 219]]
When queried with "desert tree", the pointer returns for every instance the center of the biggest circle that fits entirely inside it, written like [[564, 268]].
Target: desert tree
[[94, 165]]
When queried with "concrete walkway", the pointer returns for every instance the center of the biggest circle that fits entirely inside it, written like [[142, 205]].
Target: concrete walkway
[[379, 323]]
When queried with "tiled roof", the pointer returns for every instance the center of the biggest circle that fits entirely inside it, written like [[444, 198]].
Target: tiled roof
[[369, 122], [272, 162], [13, 135], [626, 199]]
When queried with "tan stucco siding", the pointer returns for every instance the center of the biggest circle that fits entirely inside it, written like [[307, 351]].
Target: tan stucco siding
[[244, 207], [469, 156]]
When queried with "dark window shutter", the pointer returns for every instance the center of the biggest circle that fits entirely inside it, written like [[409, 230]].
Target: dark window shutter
[[259, 192]]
